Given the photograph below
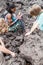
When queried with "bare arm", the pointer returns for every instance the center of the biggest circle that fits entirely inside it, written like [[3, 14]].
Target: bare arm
[[35, 25], [1, 41], [5, 50]]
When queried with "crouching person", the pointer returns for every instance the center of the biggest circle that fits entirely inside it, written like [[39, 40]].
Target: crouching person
[[16, 22], [14, 25], [36, 11], [3, 29]]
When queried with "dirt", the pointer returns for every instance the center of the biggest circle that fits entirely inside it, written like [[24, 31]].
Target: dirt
[[29, 49]]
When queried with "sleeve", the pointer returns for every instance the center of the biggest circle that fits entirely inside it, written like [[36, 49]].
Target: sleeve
[[40, 19], [6, 20], [14, 15]]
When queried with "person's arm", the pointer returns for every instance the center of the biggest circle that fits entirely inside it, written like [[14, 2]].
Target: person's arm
[[35, 25], [19, 16], [5, 50], [13, 22], [1, 41]]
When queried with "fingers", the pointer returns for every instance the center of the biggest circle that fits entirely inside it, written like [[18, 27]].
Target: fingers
[[2, 41], [20, 14], [27, 34], [14, 54]]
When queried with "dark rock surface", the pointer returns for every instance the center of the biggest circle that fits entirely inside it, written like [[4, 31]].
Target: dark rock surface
[[33, 48], [16, 61], [29, 49], [2, 59]]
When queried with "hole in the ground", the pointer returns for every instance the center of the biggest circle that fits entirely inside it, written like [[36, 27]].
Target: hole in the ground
[[28, 63], [18, 52]]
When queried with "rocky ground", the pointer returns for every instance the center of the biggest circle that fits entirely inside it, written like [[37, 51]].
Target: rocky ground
[[29, 49]]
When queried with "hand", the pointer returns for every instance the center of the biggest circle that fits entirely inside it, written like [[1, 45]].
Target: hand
[[4, 30], [27, 34], [19, 16], [13, 54], [2, 41]]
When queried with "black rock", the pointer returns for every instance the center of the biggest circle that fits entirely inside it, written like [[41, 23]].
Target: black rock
[[16, 61], [31, 50]]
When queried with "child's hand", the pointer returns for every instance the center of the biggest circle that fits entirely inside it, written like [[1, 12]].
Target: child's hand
[[27, 34], [13, 54], [2, 41], [19, 16]]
